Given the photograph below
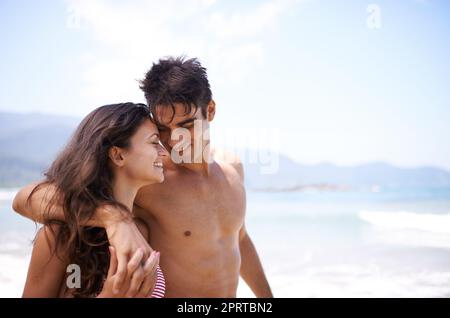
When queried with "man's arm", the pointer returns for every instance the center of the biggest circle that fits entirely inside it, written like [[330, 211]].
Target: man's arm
[[251, 268], [36, 208], [122, 232]]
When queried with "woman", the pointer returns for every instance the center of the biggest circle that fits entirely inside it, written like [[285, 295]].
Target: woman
[[114, 151]]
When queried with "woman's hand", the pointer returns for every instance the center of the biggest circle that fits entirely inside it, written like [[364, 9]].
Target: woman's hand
[[136, 283], [126, 238]]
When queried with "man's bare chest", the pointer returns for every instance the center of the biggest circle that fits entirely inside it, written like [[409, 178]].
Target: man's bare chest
[[190, 209]]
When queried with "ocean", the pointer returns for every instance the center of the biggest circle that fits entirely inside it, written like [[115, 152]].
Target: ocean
[[386, 243]]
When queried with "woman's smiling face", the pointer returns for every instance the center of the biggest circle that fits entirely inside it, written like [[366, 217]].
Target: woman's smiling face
[[143, 158]]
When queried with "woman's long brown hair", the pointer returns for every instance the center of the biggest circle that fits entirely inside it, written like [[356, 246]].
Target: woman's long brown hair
[[83, 178]]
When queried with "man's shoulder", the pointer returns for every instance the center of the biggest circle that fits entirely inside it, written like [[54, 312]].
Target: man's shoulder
[[230, 162]]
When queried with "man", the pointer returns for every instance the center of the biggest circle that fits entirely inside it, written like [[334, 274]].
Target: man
[[196, 216]]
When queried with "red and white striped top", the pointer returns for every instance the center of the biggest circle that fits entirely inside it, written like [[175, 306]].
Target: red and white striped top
[[160, 286]]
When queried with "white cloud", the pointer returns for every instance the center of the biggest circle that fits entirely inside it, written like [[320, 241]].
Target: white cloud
[[133, 34]]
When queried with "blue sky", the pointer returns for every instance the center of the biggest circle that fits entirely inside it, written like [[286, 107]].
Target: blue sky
[[309, 74]]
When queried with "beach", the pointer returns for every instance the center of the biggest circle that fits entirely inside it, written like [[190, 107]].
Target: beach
[[389, 243]]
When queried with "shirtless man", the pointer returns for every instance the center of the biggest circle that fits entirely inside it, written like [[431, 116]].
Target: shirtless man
[[196, 216]]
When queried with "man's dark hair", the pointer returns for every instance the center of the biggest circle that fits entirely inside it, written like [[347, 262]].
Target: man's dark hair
[[177, 80]]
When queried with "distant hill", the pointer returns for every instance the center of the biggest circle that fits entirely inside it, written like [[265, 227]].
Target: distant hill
[[292, 175], [29, 142]]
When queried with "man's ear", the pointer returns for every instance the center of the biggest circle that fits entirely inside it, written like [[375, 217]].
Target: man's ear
[[116, 156], [211, 110]]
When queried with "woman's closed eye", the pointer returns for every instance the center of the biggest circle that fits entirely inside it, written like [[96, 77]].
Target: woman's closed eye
[[154, 140]]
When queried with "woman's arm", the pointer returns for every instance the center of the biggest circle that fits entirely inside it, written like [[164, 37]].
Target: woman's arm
[[140, 281], [122, 232], [46, 270]]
